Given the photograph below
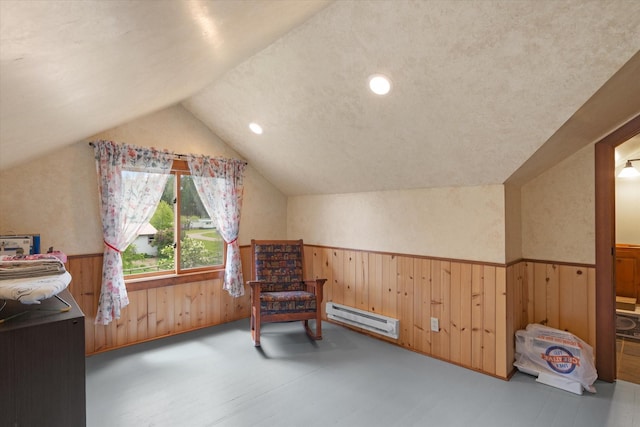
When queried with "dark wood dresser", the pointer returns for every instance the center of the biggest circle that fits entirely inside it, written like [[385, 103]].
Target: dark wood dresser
[[628, 271], [42, 365]]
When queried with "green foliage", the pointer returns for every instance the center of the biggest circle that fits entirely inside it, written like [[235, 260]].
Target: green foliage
[[163, 238], [130, 256], [166, 256], [163, 217], [191, 205], [194, 253], [185, 222], [169, 192], [162, 220]]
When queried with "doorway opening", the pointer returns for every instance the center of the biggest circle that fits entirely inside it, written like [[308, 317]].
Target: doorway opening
[[606, 248], [627, 260]]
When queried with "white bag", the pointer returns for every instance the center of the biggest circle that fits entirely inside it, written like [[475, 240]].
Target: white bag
[[544, 350]]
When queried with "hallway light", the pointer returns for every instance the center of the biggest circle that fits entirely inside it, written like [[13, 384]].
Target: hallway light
[[629, 171]]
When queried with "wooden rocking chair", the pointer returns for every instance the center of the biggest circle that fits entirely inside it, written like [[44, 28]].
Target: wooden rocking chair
[[279, 292]]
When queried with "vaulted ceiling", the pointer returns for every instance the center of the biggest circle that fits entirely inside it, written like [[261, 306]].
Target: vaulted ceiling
[[478, 87]]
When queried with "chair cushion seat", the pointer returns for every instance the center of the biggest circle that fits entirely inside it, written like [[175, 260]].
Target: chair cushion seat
[[287, 302]]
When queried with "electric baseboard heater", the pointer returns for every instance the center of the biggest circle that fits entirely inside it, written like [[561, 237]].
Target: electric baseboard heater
[[377, 323]]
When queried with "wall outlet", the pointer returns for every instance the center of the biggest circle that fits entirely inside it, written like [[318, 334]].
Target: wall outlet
[[435, 326]]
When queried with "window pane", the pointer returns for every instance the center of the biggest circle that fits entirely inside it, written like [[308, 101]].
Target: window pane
[[200, 243], [152, 251]]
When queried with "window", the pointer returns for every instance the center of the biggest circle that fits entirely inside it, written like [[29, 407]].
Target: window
[[157, 251]]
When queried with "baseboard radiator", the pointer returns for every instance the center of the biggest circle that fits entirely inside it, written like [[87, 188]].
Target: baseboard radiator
[[373, 322]]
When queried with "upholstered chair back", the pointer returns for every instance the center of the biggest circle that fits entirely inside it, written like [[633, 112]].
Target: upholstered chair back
[[279, 265]]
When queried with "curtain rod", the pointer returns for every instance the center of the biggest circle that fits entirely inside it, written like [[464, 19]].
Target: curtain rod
[[176, 156]]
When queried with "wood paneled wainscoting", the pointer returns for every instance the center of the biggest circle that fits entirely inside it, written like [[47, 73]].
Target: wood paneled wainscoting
[[562, 296], [156, 308], [470, 300], [479, 305], [558, 295]]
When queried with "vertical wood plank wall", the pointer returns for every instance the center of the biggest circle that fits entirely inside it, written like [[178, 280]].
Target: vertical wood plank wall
[[469, 300], [153, 313], [479, 306], [561, 296]]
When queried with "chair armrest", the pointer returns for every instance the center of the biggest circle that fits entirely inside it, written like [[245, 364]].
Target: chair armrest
[[315, 283], [255, 284], [255, 293], [315, 286]]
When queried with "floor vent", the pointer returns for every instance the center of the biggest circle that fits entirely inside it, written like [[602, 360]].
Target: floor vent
[[377, 323]]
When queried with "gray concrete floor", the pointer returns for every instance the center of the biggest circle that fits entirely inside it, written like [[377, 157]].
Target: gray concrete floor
[[215, 377]]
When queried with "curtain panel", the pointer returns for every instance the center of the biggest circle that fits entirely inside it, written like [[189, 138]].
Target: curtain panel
[[130, 184], [220, 184]]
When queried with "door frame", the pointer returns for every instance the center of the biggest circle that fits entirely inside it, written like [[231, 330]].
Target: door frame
[[605, 200]]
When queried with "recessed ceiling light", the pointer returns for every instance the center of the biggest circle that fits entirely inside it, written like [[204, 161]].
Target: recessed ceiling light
[[255, 128], [379, 84]]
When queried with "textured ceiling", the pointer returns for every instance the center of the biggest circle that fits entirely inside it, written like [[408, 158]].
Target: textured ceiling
[[478, 86], [71, 69]]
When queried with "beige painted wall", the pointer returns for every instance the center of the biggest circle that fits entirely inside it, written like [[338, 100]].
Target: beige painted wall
[[558, 211], [56, 195], [513, 222], [464, 223], [628, 210]]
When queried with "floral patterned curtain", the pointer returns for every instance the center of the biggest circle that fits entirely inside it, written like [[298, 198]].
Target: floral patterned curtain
[[130, 184], [219, 183]]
